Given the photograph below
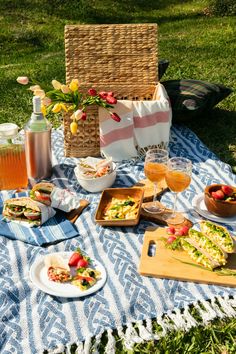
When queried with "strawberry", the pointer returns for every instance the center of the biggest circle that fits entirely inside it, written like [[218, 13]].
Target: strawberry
[[179, 233], [110, 93], [82, 263], [219, 194], [171, 239], [184, 230], [170, 230], [74, 259], [227, 190]]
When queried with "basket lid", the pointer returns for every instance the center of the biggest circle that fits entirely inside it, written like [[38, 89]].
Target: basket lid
[[117, 53]]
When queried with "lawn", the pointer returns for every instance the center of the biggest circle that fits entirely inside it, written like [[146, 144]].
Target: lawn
[[197, 46]]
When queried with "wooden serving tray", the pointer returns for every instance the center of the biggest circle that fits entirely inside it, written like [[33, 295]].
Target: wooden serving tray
[[160, 218], [148, 188], [168, 264]]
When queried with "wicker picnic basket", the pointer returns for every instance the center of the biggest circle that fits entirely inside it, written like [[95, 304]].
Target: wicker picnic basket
[[121, 58]]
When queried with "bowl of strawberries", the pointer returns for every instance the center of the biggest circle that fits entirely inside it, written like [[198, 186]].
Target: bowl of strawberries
[[220, 200]]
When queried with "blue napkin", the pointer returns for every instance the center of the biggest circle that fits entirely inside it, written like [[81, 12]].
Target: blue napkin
[[56, 229]]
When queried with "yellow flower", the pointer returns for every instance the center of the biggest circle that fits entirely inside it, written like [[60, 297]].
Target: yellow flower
[[34, 88], [74, 85], [65, 89], [57, 108], [56, 84], [63, 106], [43, 109], [73, 128]]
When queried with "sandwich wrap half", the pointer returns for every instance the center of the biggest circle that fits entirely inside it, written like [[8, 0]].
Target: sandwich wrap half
[[220, 235], [47, 193], [198, 255], [209, 246], [26, 211]]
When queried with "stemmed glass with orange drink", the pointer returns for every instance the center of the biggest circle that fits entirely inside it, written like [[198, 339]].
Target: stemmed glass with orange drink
[[155, 167], [178, 178]]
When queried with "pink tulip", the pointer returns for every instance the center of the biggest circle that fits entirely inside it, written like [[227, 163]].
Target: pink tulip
[[111, 100], [23, 80], [115, 117], [47, 101], [103, 95]]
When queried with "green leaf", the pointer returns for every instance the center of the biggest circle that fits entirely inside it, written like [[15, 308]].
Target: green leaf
[[192, 264]]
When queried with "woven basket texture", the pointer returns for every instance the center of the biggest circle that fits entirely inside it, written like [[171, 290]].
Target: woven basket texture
[[119, 58]]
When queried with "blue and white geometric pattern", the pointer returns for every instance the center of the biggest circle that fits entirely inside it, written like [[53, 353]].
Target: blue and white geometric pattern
[[33, 321]]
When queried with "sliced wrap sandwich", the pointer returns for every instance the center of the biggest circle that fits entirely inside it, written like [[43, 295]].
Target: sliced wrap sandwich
[[48, 194], [220, 235], [198, 255], [212, 249], [26, 211]]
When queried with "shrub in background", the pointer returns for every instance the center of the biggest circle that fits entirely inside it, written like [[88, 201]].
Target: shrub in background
[[222, 7]]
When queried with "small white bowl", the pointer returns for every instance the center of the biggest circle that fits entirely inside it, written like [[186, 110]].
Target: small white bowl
[[98, 184]]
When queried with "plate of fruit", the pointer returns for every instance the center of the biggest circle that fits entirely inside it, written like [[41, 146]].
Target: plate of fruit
[[68, 274], [217, 203]]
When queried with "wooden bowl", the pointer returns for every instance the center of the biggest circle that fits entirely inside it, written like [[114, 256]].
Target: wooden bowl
[[121, 194], [219, 207]]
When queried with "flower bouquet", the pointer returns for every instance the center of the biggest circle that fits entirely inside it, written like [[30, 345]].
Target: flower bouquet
[[69, 99]]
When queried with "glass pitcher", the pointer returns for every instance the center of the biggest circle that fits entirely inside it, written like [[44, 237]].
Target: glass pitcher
[[13, 173]]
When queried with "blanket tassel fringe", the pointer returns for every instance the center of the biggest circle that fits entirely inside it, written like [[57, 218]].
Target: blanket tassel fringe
[[141, 331]]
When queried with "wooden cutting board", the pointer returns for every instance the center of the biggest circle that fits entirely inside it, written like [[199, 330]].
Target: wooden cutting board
[[167, 263], [73, 215]]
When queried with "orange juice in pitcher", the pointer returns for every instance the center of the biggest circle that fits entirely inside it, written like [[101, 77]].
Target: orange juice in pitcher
[[13, 173]]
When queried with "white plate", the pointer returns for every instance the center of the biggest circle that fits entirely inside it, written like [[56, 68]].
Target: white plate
[[39, 277], [200, 206]]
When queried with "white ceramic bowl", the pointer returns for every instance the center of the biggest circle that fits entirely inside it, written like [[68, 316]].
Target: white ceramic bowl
[[95, 185]]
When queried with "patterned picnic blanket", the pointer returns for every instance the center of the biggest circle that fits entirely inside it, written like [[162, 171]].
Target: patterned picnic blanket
[[33, 320]]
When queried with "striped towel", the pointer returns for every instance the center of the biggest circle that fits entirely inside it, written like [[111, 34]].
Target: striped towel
[[56, 229], [143, 124]]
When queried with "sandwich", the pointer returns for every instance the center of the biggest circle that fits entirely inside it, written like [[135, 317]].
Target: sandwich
[[26, 210], [219, 235], [198, 254], [23, 209], [210, 247], [41, 192], [48, 194]]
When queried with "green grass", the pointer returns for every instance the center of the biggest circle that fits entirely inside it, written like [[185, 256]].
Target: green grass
[[197, 46]]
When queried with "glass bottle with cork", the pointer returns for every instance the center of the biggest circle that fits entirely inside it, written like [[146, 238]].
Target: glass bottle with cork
[[38, 143]]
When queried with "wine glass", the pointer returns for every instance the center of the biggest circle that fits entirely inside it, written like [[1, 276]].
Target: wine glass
[[155, 167], [178, 178]]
